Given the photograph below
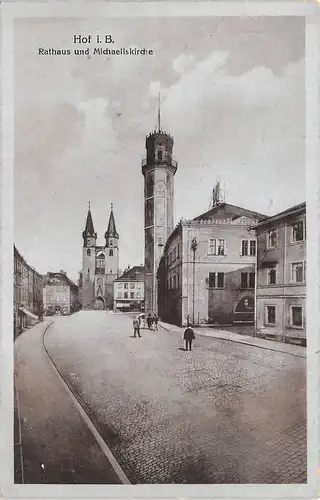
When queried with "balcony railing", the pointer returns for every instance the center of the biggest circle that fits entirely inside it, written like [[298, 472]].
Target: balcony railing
[[165, 159]]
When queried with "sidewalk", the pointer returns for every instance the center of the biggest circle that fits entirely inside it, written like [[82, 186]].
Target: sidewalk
[[53, 432], [215, 333]]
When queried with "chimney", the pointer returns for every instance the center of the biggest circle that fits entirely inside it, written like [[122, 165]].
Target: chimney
[[63, 272]]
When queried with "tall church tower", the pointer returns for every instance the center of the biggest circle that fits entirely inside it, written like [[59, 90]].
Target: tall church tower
[[158, 169], [88, 262], [111, 259]]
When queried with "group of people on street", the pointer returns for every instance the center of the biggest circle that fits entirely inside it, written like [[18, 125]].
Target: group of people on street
[[150, 320], [188, 335]]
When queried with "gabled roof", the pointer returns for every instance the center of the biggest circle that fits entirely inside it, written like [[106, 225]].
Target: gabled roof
[[135, 273], [111, 231], [59, 279], [228, 211], [296, 209]]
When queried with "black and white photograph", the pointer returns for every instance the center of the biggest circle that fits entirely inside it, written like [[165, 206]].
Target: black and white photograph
[[160, 250]]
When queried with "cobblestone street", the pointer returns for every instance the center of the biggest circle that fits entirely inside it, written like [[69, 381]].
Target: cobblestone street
[[223, 413]]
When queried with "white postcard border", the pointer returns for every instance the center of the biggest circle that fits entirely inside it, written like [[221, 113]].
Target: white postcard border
[[138, 9]]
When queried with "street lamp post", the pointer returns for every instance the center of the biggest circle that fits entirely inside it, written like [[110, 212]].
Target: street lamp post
[[194, 246]]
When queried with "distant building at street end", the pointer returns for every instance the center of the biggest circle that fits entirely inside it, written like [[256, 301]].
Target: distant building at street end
[[100, 265], [207, 270], [281, 283], [27, 294], [129, 290], [60, 294]]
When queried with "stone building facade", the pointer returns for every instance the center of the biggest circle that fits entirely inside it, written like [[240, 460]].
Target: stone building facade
[[281, 271], [158, 169], [129, 290], [207, 270], [60, 294], [100, 266], [27, 294]]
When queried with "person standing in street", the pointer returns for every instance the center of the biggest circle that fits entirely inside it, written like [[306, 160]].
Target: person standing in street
[[188, 337], [136, 327], [155, 320], [149, 321]]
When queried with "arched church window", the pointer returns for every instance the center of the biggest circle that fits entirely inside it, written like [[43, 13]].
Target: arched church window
[[111, 252], [159, 154], [89, 252]]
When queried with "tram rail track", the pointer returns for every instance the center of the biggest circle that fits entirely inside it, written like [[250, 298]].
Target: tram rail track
[[85, 413]]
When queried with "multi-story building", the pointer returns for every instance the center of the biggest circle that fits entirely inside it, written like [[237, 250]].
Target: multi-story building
[[129, 290], [60, 294], [281, 269], [27, 294], [100, 266], [207, 270]]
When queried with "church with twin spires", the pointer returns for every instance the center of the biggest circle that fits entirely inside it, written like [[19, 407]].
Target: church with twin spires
[[100, 265]]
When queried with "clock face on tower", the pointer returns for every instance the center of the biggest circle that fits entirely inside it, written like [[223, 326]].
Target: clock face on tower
[[160, 186]]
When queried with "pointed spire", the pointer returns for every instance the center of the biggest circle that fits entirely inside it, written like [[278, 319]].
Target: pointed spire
[[89, 229], [159, 114], [111, 231]]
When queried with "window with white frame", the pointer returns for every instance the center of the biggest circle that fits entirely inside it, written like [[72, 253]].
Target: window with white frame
[[296, 316], [132, 285], [131, 295], [253, 246], [125, 295], [272, 238], [297, 231], [216, 247], [297, 272], [270, 315], [212, 245], [174, 281], [119, 285], [138, 285], [138, 295], [221, 247], [119, 295], [244, 247], [125, 285]]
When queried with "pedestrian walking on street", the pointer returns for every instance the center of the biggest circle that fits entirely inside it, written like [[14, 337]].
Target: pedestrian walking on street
[[136, 328], [149, 321], [155, 320], [188, 336]]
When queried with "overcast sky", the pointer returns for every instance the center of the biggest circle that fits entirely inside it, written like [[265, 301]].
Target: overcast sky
[[232, 93]]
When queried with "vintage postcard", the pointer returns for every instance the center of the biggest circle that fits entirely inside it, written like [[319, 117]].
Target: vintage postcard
[[160, 250]]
